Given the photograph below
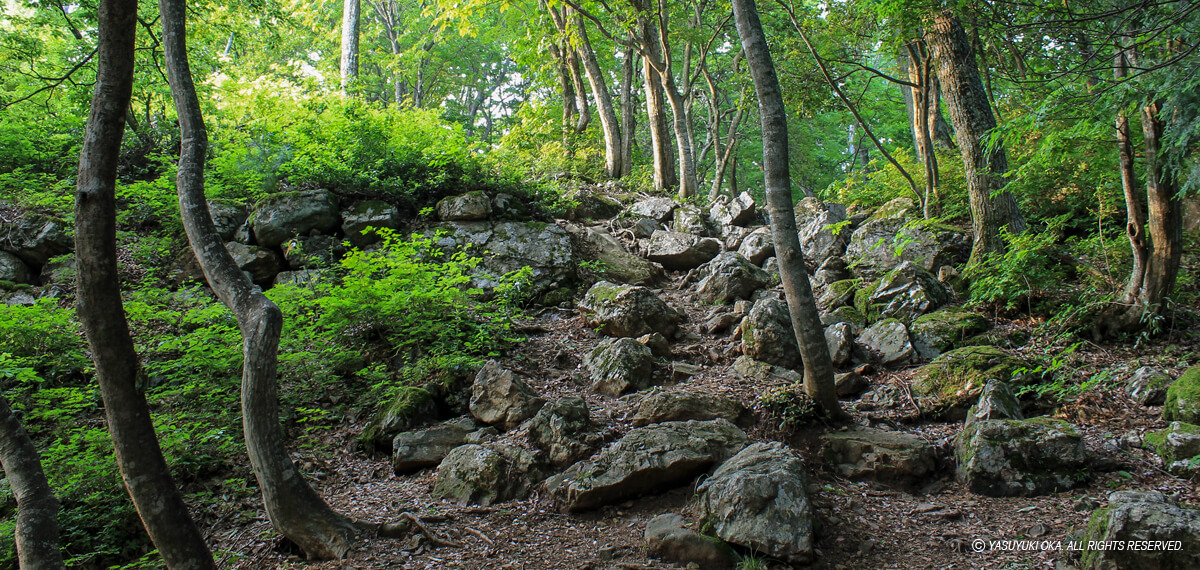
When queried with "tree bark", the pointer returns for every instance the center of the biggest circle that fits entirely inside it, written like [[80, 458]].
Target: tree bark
[[628, 115], [1135, 226], [604, 103], [665, 175], [37, 509], [818, 368], [294, 508], [351, 18], [100, 309], [991, 207]]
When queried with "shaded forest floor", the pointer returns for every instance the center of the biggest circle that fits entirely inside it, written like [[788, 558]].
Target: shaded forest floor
[[859, 525]]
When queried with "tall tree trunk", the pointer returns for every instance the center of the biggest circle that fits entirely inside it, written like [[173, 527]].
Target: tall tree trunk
[[584, 116], [818, 368], [991, 207], [683, 142], [924, 98], [604, 103], [656, 116], [1135, 226], [295, 509], [100, 308], [351, 18], [628, 114], [37, 509]]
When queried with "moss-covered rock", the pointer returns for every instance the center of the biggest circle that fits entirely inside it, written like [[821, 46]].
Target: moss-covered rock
[[954, 381], [411, 407], [838, 293], [1183, 398], [1142, 516], [1006, 458], [862, 302], [1180, 441], [945, 329], [845, 314]]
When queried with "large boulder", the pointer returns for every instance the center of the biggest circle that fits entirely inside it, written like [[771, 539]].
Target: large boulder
[[647, 459], [675, 406], [729, 277], [879, 245], [510, 246], [619, 365], [563, 429], [738, 211], [838, 294], [758, 500], [658, 209], [669, 538], [467, 207], [1009, 458], [824, 237], [501, 399], [613, 261], [587, 204], [689, 220], [1147, 386], [262, 264], [34, 238], [289, 214], [885, 342], [229, 217], [767, 334], [890, 457], [475, 474], [375, 214], [758, 245], [907, 292], [415, 450], [626, 311], [997, 402], [680, 251], [1183, 398], [839, 339], [1168, 533], [952, 382], [13, 269], [944, 329], [409, 407], [1177, 446]]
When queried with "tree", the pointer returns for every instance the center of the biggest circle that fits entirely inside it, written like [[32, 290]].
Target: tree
[[101, 311], [37, 509], [295, 509], [818, 367], [351, 19], [992, 207]]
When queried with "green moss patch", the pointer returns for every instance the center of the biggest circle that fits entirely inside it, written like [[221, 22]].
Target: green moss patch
[[958, 376], [1183, 398]]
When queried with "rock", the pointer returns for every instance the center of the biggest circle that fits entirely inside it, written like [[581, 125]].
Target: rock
[[313, 251], [645, 227], [839, 337], [61, 269], [1183, 398], [647, 459], [850, 384], [873, 247], [679, 251], [832, 270], [689, 220], [890, 457], [997, 402], [658, 209], [36, 238], [675, 406], [615, 263], [545, 248], [885, 342], [301, 277], [1180, 442], [14, 270], [625, 311], [807, 210], [289, 214], [767, 334], [739, 211], [409, 408], [657, 344], [907, 292], [682, 371], [416, 450], [229, 216], [952, 382], [771, 266], [758, 245], [619, 365], [758, 499], [375, 214], [1147, 386], [838, 294], [262, 264], [944, 329], [667, 538], [1133, 516], [895, 209], [824, 237], [590, 205], [729, 277], [501, 399], [485, 474], [563, 429], [752, 369], [1008, 458], [505, 206], [846, 314], [468, 207]]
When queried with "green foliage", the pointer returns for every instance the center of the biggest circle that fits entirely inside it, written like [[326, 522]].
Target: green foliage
[[881, 182], [1025, 275], [790, 406]]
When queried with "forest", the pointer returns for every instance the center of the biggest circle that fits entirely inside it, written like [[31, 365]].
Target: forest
[[604, 284]]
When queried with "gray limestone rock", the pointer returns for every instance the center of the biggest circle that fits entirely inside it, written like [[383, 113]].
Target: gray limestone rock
[[680, 251], [668, 538], [415, 450], [729, 277], [890, 457], [627, 311], [1007, 458], [619, 365], [375, 214], [767, 334], [885, 342], [471, 206], [289, 214], [501, 399], [678, 405]]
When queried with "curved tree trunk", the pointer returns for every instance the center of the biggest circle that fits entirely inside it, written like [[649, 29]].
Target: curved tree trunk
[[101, 312], [1135, 226], [37, 509], [818, 368], [604, 103], [295, 509], [665, 175], [991, 207]]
